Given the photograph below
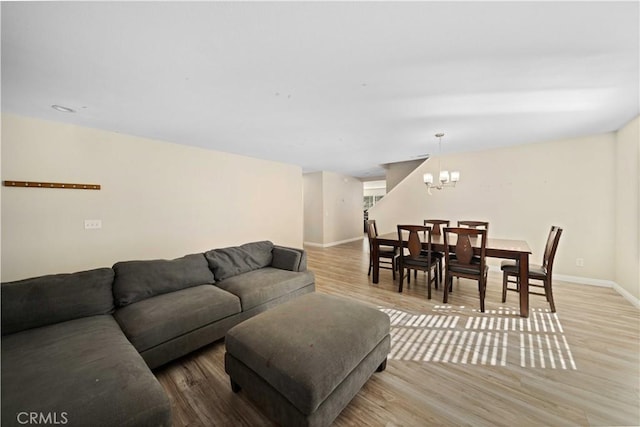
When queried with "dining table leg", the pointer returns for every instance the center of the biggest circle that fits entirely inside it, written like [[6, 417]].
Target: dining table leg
[[523, 263], [376, 260]]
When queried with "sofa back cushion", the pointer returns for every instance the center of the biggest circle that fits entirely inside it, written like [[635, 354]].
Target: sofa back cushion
[[139, 280], [229, 262], [291, 259], [55, 298]]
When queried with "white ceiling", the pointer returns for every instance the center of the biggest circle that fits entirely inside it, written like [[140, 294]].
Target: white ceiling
[[336, 86]]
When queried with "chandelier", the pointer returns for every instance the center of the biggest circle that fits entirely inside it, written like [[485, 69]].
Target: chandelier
[[444, 179]]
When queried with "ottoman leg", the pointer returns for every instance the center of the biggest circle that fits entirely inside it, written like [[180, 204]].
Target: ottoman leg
[[382, 366], [235, 387]]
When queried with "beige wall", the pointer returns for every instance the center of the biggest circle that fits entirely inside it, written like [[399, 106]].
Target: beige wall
[[335, 215], [522, 191], [396, 172], [313, 208], [343, 210], [158, 200], [627, 262]]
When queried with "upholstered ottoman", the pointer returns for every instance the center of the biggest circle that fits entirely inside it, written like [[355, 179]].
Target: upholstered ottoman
[[303, 361]]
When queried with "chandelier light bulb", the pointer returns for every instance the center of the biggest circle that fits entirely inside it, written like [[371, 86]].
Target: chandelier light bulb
[[428, 178]]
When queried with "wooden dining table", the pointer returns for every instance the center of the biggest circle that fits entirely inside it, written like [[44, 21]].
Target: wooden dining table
[[496, 248]]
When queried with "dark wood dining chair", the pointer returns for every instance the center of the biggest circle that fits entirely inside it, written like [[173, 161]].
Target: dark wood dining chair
[[416, 257], [465, 264], [436, 230], [387, 255], [540, 273]]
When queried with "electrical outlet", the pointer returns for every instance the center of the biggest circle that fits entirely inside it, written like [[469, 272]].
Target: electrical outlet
[[580, 262], [92, 224]]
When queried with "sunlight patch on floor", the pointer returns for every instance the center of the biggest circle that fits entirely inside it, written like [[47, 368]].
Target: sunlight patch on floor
[[462, 335]]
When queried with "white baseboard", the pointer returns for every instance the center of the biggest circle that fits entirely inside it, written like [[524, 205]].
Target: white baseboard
[[597, 282], [327, 245], [584, 280], [313, 245], [590, 282], [626, 295]]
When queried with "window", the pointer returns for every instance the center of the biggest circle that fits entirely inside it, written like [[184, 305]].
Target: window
[[370, 201]]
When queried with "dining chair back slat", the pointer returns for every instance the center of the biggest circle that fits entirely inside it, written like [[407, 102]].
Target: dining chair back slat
[[551, 246], [436, 225], [414, 245], [474, 224], [464, 250]]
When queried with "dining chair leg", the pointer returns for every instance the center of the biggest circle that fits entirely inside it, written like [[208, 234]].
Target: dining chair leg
[[505, 281], [484, 289], [370, 266], [481, 289], [429, 284], [393, 268], [401, 271], [549, 293], [447, 280]]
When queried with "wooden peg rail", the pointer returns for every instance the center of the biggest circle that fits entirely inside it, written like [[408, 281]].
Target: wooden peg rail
[[66, 186]]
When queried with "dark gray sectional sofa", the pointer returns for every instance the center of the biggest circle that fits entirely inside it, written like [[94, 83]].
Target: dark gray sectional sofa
[[78, 349]]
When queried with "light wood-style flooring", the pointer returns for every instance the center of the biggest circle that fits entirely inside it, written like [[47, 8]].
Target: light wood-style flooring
[[450, 364]]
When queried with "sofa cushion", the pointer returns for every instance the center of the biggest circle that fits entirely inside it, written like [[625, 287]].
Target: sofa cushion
[[293, 259], [229, 262], [85, 369], [260, 286], [55, 298], [286, 258], [161, 318], [139, 280]]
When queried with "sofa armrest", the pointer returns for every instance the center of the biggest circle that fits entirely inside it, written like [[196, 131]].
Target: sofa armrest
[[291, 259]]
